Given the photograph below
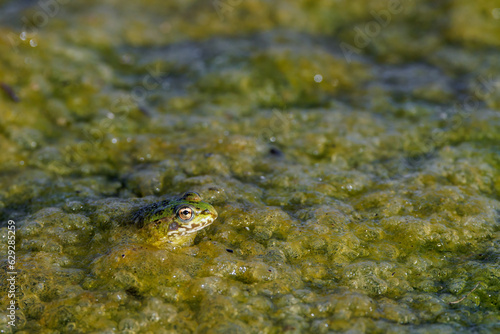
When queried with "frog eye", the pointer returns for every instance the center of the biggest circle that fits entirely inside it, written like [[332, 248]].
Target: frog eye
[[185, 213], [191, 196]]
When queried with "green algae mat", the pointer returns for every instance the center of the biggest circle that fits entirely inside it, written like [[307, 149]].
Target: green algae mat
[[351, 150]]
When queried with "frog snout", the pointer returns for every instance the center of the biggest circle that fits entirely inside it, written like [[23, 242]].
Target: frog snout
[[210, 212]]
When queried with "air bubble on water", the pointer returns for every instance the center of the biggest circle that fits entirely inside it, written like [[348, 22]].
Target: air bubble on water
[[114, 140], [318, 78], [33, 43], [110, 115], [22, 36], [21, 163], [272, 139]]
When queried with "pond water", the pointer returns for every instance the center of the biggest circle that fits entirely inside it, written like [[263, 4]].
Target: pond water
[[350, 148]]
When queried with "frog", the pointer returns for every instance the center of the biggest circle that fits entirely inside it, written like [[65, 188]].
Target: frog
[[174, 221], [146, 243]]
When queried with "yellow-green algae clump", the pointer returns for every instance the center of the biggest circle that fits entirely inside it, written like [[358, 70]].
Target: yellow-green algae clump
[[363, 200]]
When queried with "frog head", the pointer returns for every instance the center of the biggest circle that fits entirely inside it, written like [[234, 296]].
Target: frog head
[[176, 218]]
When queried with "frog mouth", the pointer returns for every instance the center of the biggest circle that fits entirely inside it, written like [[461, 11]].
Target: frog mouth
[[192, 227]]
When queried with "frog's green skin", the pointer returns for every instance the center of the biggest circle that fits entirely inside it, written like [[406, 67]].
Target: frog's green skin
[[161, 224]]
